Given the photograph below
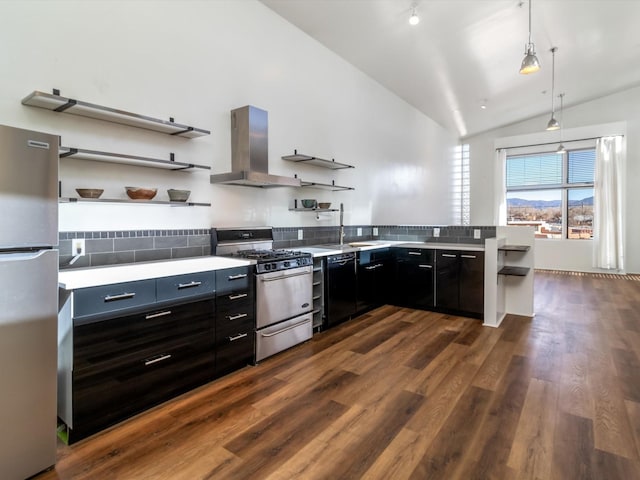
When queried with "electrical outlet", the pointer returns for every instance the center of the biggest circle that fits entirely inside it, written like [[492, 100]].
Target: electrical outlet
[[436, 232], [476, 233], [78, 247], [300, 234], [359, 231], [375, 231]]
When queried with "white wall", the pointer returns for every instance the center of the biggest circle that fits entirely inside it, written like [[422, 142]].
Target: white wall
[[618, 112], [196, 61]]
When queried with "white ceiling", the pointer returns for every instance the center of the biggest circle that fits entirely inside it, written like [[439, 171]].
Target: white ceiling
[[466, 52]]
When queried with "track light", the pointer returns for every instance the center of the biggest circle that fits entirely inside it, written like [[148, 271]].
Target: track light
[[414, 19], [530, 63], [553, 123]]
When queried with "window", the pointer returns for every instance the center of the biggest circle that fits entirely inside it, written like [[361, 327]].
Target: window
[[553, 192], [461, 201]]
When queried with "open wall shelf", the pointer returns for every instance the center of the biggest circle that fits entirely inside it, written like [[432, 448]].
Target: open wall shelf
[[315, 161], [135, 202], [324, 186], [58, 103], [94, 155]]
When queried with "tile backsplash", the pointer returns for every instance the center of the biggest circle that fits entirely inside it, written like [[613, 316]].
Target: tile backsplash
[[132, 246]]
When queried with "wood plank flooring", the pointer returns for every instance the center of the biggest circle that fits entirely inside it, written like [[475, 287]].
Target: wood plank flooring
[[406, 394]]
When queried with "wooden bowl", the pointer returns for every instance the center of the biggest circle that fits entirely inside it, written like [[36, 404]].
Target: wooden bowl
[[324, 205], [141, 193], [89, 192]]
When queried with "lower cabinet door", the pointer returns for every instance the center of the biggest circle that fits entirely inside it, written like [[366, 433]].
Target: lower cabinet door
[[103, 398], [447, 280], [415, 284], [234, 350], [125, 365], [472, 282]]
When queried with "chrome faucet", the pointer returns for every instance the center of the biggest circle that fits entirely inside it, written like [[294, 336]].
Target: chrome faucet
[[341, 224]]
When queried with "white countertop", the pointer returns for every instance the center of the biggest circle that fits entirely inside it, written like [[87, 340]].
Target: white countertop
[[326, 250], [96, 276]]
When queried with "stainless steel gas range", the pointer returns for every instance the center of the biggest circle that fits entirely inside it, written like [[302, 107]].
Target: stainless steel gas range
[[283, 286]]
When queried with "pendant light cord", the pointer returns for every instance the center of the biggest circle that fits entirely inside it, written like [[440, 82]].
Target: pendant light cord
[[553, 78], [529, 23]]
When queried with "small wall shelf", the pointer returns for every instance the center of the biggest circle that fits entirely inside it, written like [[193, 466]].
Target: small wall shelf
[[514, 248], [315, 161], [325, 186], [313, 210], [58, 103], [136, 202], [514, 271], [94, 155]]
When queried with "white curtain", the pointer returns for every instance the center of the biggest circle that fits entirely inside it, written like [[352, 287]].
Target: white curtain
[[608, 243], [500, 182]]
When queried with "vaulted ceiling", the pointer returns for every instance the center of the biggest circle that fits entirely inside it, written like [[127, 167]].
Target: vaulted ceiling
[[466, 53]]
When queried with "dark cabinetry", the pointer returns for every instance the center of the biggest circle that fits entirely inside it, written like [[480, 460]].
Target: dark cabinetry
[[124, 365], [340, 288], [374, 272], [235, 320], [414, 286], [460, 281]]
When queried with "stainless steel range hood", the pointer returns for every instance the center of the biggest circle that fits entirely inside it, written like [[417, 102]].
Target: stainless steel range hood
[[249, 152]]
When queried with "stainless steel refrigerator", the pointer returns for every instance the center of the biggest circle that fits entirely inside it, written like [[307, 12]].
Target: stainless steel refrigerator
[[28, 301]]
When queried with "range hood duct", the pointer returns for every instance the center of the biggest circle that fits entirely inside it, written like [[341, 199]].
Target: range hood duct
[[249, 152]]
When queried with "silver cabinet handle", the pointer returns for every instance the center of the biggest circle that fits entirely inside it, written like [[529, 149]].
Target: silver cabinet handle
[[306, 320], [468, 256], [189, 285], [448, 255], [237, 277], [425, 266], [373, 267], [415, 253], [237, 317], [237, 337], [236, 297], [157, 359], [122, 296], [159, 314]]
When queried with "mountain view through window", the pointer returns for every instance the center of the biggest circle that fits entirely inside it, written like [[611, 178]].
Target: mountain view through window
[[552, 192]]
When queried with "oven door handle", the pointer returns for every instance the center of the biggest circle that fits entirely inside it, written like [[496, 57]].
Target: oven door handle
[[306, 320], [283, 277]]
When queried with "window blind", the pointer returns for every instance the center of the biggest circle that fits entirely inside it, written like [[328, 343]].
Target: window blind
[[538, 169], [581, 166]]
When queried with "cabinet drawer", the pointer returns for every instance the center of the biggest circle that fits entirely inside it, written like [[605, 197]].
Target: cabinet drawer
[[232, 328], [234, 280], [93, 301], [415, 254], [101, 399], [110, 343], [184, 286], [234, 352], [234, 303]]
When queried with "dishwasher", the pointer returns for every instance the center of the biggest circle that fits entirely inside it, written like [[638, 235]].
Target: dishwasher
[[340, 288]]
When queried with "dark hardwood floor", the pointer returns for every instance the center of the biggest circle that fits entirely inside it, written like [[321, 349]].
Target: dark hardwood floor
[[399, 393]]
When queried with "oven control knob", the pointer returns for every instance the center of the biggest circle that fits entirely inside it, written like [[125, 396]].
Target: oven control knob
[[267, 266], [286, 264]]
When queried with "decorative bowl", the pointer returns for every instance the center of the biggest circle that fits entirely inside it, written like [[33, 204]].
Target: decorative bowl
[[324, 205], [308, 203], [178, 195], [89, 192], [141, 193]]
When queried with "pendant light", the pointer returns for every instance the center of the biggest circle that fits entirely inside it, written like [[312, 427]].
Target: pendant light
[[561, 148], [553, 123], [414, 19], [530, 63]]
